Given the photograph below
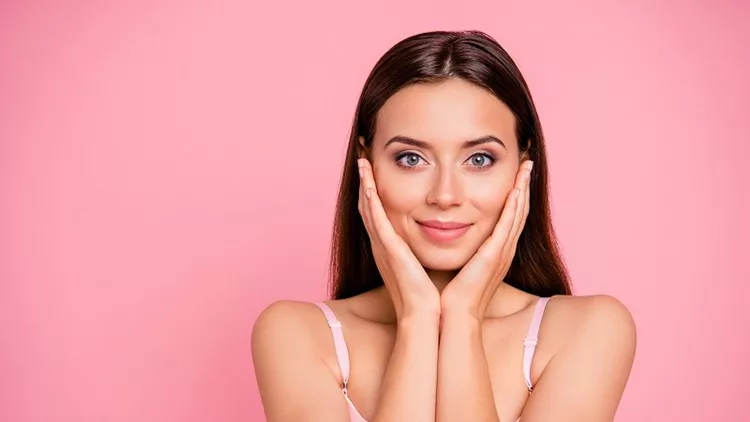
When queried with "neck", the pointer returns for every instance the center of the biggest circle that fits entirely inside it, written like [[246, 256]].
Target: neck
[[441, 278], [497, 308], [501, 303]]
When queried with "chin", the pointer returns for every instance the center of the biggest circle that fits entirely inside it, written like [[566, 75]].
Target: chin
[[442, 259]]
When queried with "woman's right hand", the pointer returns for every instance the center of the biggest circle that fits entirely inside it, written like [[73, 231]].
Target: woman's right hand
[[410, 288]]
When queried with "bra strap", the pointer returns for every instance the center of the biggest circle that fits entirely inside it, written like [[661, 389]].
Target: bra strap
[[532, 338], [342, 353]]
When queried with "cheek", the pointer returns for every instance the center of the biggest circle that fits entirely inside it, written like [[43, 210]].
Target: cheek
[[399, 195], [397, 201], [490, 198]]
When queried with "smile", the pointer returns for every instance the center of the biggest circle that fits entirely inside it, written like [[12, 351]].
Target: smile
[[443, 232]]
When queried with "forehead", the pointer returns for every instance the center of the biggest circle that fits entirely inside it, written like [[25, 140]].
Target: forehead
[[445, 113]]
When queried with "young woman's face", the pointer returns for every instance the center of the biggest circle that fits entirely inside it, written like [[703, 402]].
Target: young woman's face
[[445, 158]]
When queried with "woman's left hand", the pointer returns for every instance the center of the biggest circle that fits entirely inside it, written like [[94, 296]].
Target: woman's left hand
[[470, 292]]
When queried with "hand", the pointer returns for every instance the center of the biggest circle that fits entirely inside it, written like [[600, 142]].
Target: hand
[[409, 286], [473, 287]]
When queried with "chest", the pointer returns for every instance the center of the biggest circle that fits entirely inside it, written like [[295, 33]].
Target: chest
[[370, 348]]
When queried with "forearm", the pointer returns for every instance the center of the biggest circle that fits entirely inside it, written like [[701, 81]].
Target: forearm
[[464, 390], [409, 385]]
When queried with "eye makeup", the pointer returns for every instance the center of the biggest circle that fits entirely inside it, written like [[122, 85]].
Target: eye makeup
[[410, 160]]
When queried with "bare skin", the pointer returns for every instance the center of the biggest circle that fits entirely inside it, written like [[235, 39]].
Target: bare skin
[[442, 339]]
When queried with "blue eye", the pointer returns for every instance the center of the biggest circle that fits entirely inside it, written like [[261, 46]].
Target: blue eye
[[408, 159], [481, 160]]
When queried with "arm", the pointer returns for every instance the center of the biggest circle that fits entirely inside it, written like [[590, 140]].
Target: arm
[[295, 384], [584, 381], [410, 381], [464, 387]]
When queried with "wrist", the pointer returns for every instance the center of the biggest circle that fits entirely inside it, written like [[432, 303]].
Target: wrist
[[419, 317], [453, 305], [421, 310], [460, 316]]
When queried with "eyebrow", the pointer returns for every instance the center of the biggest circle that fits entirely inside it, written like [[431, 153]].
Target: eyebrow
[[422, 144]]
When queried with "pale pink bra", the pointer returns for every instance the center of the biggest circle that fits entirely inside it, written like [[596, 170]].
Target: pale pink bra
[[342, 353]]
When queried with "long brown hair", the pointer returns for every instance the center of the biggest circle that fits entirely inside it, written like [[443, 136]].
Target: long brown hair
[[473, 56]]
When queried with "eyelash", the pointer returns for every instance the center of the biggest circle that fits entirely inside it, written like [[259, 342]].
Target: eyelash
[[402, 155]]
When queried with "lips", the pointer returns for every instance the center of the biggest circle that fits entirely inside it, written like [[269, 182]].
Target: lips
[[443, 231]]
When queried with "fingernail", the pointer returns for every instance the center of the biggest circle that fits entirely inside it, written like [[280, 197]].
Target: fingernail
[[530, 165], [360, 163], [360, 172]]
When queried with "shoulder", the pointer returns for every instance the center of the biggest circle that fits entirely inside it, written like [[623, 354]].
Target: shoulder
[[294, 376], [286, 317], [595, 318], [600, 339], [286, 325], [592, 360], [596, 326], [285, 312]]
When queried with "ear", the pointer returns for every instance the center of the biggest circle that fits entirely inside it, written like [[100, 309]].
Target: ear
[[362, 150], [525, 155]]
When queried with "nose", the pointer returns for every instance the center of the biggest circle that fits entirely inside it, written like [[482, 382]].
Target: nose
[[446, 190]]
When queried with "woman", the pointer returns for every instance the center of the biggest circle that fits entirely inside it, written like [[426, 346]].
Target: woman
[[450, 301]]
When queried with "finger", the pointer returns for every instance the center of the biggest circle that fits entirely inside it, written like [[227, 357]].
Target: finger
[[378, 218], [361, 196], [494, 244], [526, 206], [504, 225], [504, 230], [366, 185], [361, 193], [380, 222], [492, 249], [363, 204], [368, 181], [524, 217], [522, 203]]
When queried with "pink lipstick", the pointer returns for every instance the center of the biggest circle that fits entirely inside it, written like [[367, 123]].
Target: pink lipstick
[[443, 232]]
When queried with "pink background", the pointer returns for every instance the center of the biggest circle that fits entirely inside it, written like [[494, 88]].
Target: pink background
[[167, 169]]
